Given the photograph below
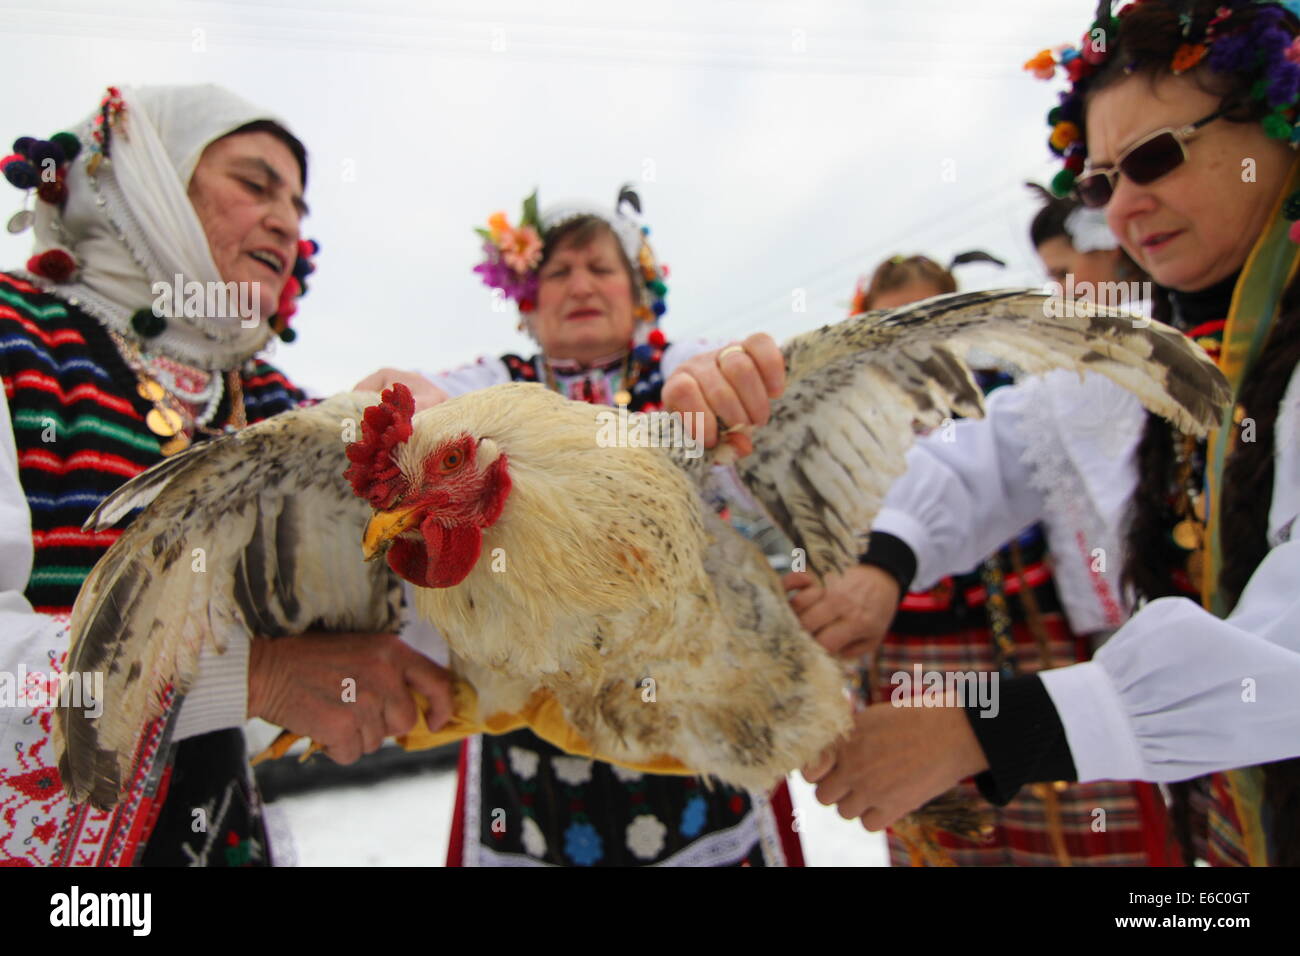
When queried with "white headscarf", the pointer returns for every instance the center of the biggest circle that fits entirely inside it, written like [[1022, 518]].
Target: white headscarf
[[133, 224]]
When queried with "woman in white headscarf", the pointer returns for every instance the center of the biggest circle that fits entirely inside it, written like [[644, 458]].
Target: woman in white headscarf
[[167, 254]]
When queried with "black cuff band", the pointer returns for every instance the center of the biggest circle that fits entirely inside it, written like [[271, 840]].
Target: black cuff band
[[893, 555], [1024, 742]]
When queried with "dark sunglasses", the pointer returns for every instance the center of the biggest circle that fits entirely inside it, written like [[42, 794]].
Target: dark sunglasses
[[1159, 152]]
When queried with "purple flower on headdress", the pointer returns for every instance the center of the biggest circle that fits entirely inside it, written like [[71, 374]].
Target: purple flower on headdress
[[1283, 84], [1232, 54], [1273, 42], [497, 275], [1270, 16]]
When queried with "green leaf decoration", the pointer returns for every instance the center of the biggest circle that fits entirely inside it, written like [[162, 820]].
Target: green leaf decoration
[[529, 217]]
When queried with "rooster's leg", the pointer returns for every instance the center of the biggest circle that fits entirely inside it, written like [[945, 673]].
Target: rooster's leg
[[280, 746]]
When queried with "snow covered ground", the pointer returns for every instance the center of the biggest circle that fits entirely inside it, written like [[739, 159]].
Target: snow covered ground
[[404, 821]]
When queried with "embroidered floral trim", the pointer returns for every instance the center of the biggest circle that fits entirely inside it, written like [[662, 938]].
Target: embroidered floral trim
[[523, 763], [645, 836], [1071, 516], [574, 771]]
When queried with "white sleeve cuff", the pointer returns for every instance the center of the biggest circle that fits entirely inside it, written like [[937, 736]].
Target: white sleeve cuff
[[219, 697], [912, 533], [1101, 740]]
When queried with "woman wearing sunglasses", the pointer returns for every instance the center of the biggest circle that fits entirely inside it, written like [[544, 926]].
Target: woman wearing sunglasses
[[1179, 123]]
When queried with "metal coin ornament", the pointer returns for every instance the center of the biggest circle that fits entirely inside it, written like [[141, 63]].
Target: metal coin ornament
[[150, 391], [20, 221], [164, 422], [1187, 534], [175, 444]]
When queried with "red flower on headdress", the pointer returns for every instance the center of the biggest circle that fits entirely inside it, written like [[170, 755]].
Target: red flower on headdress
[[1078, 68], [1092, 47]]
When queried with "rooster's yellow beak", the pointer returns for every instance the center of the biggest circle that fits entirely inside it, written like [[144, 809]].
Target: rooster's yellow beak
[[384, 526]]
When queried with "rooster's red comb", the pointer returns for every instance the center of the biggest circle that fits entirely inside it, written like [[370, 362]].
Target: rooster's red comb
[[373, 472]]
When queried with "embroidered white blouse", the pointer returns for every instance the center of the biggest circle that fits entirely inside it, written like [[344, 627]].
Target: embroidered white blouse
[[1175, 692]]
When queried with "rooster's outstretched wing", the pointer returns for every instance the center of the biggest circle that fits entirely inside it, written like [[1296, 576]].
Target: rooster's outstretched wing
[[837, 438], [255, 532]]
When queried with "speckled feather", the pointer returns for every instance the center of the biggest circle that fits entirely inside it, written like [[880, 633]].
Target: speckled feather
[[838, 437], [280, 535]]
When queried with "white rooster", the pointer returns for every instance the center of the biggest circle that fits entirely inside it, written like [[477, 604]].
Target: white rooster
[[584, 590]]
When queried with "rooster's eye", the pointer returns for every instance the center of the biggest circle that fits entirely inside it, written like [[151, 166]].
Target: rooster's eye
[[450, 461]]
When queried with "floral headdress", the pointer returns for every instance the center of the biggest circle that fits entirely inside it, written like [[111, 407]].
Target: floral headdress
[[1260, 48], [513, 254]]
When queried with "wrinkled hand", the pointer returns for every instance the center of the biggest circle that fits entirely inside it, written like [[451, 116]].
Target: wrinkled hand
[[850, 614], [737, 388], [298, 683], [425, 393], [896, 759]]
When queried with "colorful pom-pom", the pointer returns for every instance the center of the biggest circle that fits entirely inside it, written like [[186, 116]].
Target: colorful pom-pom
[[1042, 64], [527, 305], [20, 173], [1054, 116], [287, 335], [1294, 232], [53, 191], [1079, 69], [642, 353], [1062, 183], [658, 287], [147, 324], [658, 308], [69, 143], [663, 267], [1276, 126], [23, 143], [43, 151], [1063, 134], [657, 338], [53, 264], [1092, 50], [1074, 163]]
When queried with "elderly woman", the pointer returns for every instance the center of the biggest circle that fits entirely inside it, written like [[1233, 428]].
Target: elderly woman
[[1179, 126], [167, 254], [590, 292]]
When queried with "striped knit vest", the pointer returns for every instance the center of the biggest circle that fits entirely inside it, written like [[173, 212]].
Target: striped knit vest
[[80, 430]]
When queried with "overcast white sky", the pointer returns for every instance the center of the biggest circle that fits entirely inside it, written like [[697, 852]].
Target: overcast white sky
[[778, 146]]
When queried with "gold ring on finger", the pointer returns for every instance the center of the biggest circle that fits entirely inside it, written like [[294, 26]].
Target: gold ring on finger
[[727, 351]]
